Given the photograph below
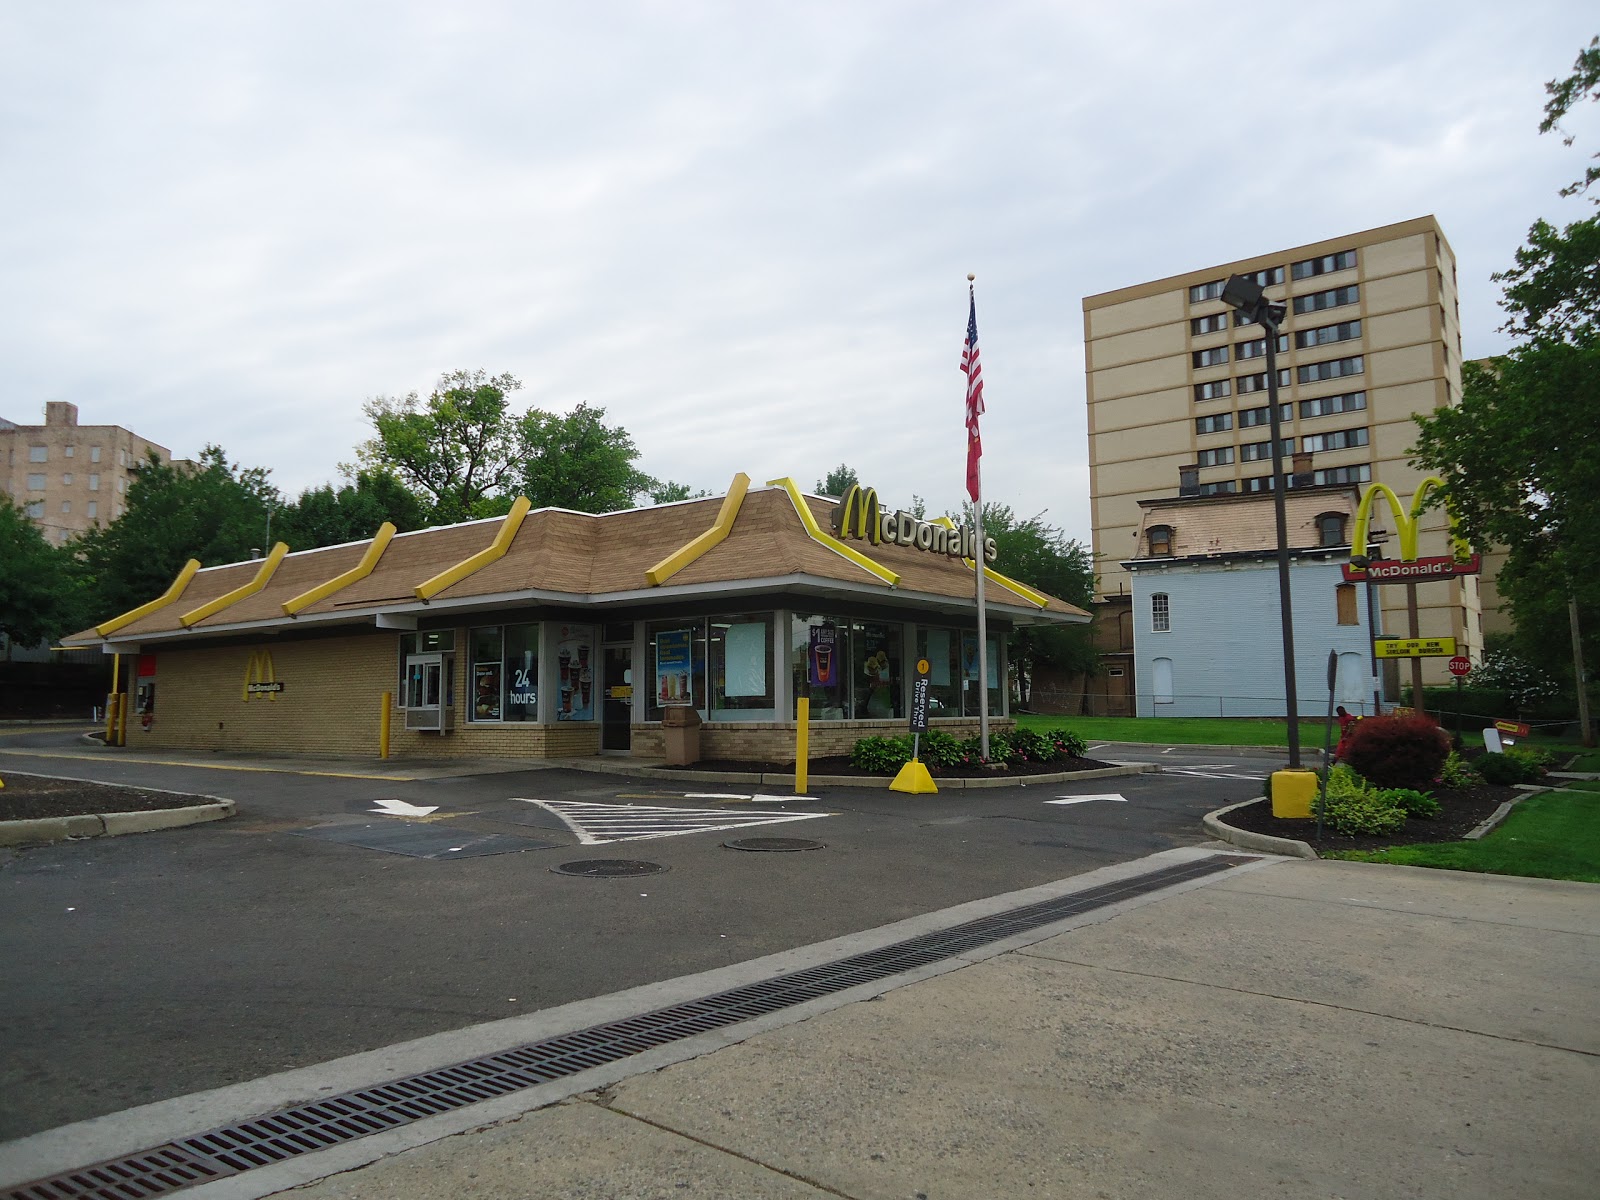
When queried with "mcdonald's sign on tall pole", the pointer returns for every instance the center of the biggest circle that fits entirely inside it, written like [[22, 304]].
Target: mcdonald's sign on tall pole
[[1408, 569]]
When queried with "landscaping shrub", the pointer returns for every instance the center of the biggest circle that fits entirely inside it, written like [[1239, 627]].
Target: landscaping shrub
[[1415, 803], [1000, 749], [1398, 752], [1067, 743], [884, 755], [1031, 747], [1370, 812], [1457, 772], [940, 749], [1514, 766]]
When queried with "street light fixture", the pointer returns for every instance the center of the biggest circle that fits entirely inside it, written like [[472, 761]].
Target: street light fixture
[[1248, 298]]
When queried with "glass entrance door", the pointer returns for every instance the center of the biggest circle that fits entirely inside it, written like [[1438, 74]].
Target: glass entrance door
[[616, 720]]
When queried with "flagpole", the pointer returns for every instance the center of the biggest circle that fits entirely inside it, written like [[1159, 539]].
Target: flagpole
[[978, 564]]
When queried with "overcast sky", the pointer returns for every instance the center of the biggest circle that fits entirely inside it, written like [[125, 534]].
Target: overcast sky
[[743, 229]]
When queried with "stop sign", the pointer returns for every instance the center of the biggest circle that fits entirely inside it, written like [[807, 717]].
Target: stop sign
[[1460, 665]]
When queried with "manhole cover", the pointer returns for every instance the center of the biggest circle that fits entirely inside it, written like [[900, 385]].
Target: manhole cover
[[608, 868], [779, 844]]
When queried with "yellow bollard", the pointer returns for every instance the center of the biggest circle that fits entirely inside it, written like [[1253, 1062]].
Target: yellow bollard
[[383, 724], [802, 743]]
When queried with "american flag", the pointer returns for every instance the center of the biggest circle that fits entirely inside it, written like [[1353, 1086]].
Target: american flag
[[973, 370]]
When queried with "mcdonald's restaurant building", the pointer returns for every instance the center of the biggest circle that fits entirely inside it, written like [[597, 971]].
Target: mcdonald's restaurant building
[[557, 633]]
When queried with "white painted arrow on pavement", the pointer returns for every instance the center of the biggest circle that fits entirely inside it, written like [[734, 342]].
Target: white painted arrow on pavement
[[399, 808], [1086, 799]]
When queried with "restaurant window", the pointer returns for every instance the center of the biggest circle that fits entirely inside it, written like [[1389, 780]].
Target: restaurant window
[[427, 641], [942, 649], [676, 651], [969, 672], [819, 656], [877, 687], [577, 670], [504, 673], [742, 687]]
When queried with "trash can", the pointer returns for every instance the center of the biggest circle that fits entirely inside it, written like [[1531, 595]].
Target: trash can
[[680, 728]]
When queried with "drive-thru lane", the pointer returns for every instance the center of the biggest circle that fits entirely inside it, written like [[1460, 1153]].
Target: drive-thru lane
[[155, 965]]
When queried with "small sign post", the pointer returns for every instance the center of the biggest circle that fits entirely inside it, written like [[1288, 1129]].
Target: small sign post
[[914, 777], [1327, 739], [1460, 667]]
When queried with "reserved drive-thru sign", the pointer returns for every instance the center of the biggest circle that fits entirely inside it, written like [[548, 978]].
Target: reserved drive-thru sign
[[1399, 647]]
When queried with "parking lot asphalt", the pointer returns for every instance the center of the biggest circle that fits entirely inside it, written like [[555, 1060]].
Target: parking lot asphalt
[[331, 915]]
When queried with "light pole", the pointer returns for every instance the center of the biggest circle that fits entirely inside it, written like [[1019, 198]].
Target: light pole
[[1246, 296]]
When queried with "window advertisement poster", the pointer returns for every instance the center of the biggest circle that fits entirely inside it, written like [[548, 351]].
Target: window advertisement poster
[[575, 672], [745, 660], [486, 691], [969, 659], [824, 662], [675, 668]]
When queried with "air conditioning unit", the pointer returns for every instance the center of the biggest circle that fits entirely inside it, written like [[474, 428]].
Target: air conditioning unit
[[430, 720]]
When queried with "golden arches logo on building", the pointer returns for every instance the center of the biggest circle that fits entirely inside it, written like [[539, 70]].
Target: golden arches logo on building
[[859, 515], [259, 677], [1405, 523]]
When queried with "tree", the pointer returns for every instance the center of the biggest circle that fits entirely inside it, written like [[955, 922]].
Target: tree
[[326, 516], [215, 511], [460, 448], [579, 462], [1553, 291], [838, 481], [1564, 93], [36, 591], [1037, 553], [665, 491]]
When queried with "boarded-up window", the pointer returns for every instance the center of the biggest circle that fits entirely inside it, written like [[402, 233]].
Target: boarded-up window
[[1344, 595]]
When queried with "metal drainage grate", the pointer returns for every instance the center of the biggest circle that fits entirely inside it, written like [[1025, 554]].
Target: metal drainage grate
[[609, 868], [774, 844], [291, 1132]]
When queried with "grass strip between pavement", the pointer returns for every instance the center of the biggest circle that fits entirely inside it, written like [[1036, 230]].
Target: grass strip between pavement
[[1550, 836]]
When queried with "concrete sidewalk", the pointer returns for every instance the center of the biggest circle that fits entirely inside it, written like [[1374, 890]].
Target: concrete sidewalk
[[1293, 1028], [1309, 1029]]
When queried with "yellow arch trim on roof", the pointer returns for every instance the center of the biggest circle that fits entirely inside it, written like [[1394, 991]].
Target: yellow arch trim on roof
[[832, 543], [380, 542], [211, 607], [173, 593], [493, 551], [1038, 599], [689, 551]]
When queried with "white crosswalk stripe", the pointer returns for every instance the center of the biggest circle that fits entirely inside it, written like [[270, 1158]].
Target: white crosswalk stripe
[[1198, 774], [597, 824]]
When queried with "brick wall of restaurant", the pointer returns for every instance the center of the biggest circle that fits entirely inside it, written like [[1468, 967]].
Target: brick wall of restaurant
[[331, 705]]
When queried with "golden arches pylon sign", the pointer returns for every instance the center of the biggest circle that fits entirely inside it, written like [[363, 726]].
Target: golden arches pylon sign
[[259, 677], [1408, 568]]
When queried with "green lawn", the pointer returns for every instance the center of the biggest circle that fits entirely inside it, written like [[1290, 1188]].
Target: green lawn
[[1589, 760], [1549, 836], [1182, 731], [1577, 785]]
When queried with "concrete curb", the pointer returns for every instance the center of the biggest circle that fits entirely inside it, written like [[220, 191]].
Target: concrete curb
[[42, 830], [1236, 751], [772, 779], [1264, 842], [1500, 814]]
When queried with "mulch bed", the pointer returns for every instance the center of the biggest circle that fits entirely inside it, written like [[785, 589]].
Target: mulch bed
[[840, 764], [28, 797], [1462, 811]]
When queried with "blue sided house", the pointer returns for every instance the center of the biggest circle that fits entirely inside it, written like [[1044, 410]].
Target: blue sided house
[[1207, 624]]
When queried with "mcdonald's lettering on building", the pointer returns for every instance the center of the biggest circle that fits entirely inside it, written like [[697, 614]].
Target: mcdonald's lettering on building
[[860, 516], [259, 677]]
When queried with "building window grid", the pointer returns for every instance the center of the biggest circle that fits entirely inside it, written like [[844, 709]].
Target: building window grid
[[1338, 439], [1258, 347], [1332, 298], [1216, 356], [1257, 451], [1249, 417], [1325, 406], [1332, 368], [1201, 292], [1307, 268], [1323, 335], [1215, 323], [1215, 390], [1219, 457], [1216, 423], [1160, 613], [1258, 382], [1222, 487]]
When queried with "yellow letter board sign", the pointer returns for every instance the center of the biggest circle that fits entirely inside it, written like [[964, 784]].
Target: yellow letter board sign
[[1398, 647]]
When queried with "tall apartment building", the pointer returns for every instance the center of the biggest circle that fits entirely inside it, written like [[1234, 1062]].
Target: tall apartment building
[[1177, 393], [70, 477]]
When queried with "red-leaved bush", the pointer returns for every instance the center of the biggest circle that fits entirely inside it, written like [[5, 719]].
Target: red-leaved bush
[[1398, 752]]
